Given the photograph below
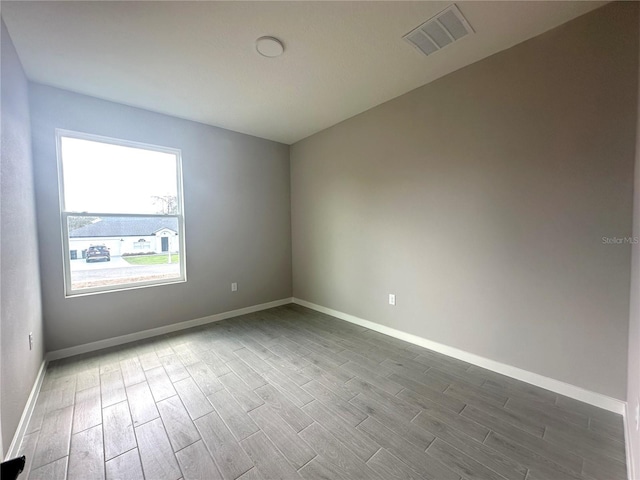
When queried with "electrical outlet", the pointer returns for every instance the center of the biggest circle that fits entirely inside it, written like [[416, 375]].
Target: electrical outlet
[[392, 299], [637, 414], [234, 287], [30, 340]]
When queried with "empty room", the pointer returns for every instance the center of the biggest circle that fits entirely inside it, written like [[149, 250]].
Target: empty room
[[320, 240]]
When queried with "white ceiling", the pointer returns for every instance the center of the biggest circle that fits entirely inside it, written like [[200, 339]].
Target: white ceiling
[[197, 60]]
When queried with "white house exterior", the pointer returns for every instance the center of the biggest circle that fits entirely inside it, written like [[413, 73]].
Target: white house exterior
[[126, 235]]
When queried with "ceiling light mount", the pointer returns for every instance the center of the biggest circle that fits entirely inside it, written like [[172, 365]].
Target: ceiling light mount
[[269, 47]]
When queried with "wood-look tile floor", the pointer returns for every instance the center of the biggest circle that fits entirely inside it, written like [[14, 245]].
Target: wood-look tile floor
[[290, 393]]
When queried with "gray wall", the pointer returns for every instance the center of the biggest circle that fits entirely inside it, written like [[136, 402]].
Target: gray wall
[[237, 219], [481, 201], [20, 307], [633, 381]]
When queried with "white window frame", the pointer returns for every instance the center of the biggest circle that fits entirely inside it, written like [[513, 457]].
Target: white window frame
[[64, 214]]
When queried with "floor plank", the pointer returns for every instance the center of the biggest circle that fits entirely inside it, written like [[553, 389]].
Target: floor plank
[[27, 448], [604, 468], [542, 448], [247, 374], [233, 415], [53, 441], [161, 386], [192, 397], [475, 430], [204, 378], [588, 446], [394, 422], [399, 406], [149, 361], [52, 471], [141, 403], [158, 460], [125, 467], [118, 430], [86, 459], [61, 396], [174, 367], [245, 396], [283, 436], [406, 451], [284, 407], [88, 378], [432, 394], [287, 386], [179, 427], [230, 458], [269, 461], [460, 463], [334, 452], [392, 468], [132, 372], [356, 441], [347, 411], [112, 388], [528, 458], [253, 360], [196, 463], [252, 474], [459, 439], [88, 409]]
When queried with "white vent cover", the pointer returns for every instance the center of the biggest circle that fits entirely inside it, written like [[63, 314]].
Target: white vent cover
[[439, 31]]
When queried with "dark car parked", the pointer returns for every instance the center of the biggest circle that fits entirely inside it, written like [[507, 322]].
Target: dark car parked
[[98, 253]]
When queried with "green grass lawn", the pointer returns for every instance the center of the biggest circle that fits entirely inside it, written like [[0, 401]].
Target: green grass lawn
[[152, 259]]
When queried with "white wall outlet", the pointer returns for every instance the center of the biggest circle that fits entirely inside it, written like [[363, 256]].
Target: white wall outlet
[[637, 416], [30, 340], [392, 299], [234, 287]]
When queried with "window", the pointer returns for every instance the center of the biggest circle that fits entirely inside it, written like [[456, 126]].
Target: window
[[121, 213]]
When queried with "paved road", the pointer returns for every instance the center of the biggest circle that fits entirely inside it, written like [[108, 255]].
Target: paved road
[[81, 265], [118, 268]]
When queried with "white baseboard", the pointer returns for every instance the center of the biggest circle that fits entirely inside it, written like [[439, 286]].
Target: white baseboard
[[557, 386], [631, 471], [26, 413], [154, 332]]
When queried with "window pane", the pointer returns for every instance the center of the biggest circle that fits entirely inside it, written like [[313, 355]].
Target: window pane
[[106, 178], [108, 251]]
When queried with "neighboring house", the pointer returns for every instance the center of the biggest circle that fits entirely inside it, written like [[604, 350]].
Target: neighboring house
[[126, 235]]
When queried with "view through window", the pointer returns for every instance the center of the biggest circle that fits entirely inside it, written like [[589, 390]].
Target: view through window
[[122, 217]]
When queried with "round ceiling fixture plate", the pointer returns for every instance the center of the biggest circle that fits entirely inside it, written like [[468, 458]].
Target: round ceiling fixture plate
[[269, 47]]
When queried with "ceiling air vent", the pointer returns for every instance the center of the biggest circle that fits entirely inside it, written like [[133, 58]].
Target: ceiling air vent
[[439, 31]]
